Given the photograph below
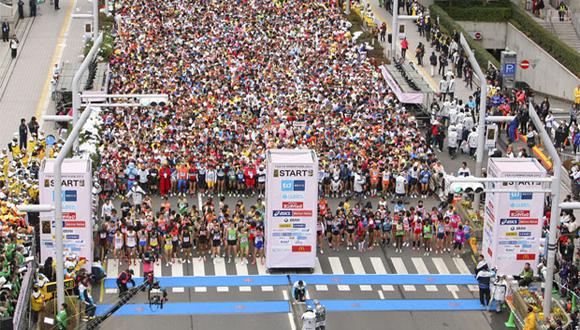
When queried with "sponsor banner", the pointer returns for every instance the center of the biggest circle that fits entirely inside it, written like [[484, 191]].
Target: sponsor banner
[[292, 205], [512, 220], [291, 208], [76, 209]]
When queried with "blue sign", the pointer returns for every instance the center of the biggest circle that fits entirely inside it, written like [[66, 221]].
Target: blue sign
[[508, 69]]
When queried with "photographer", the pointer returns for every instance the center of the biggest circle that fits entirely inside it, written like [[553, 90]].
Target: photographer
[[157, 295], [124, 278]]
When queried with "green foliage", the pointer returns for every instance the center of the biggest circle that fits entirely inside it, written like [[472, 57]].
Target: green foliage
[[449, 25], [106, 24], [479, 13]]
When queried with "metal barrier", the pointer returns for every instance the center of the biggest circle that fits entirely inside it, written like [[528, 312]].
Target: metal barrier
[[21, 319]]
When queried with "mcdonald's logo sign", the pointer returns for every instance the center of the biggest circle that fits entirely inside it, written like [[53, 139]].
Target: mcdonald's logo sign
[[301, 248]]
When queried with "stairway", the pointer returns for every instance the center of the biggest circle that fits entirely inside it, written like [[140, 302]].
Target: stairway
[[564, 31]]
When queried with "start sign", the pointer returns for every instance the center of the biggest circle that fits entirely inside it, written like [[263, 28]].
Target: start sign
[[524, 64]]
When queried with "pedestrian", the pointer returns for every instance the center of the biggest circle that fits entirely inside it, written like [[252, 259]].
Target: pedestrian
[[383, 32], [62, 317], [5, 31], [36, 304], [483, 279], [20, 9], [451, 88], [33, 126], [472, 141], [530, 320], [56, 6], [14, 45], [404, 47], [23, 134], [442, 63], [309, 319], [500, 287], [562, 9], [320, 312], [443, 88], [299, 291], [32, 4], [419, 51], [433, 63]]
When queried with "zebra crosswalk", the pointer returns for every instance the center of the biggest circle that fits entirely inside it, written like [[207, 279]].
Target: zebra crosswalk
[[325, 265]]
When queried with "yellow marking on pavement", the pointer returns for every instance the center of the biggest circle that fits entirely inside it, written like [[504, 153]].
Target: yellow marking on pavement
[[55, 56], [102, 289]]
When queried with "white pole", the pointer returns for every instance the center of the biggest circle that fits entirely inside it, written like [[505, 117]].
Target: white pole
[[348, 7], [394, 29], [482, 108], [557, 166]]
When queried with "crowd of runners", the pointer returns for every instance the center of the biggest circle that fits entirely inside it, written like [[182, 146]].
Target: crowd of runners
[[179, 233]]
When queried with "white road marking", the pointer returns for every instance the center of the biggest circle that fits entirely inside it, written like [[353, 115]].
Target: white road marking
[[223, 289], [178, 289], [343, 288], [401, 269], [157, 269], [357, 265], [291, 319], [378, 265], [200, 289], [198, 267], [463, 269], [364, 287], [442, 269], [381, 294], [285, 295], [321, 287], [177, 268], [267, 288], [137, 268], [110, 290], [245, 289], [317, 267], [422, 269], [219, 267], [336, 267], [112, 268], [387, 287], [261, 268], [241, 269]]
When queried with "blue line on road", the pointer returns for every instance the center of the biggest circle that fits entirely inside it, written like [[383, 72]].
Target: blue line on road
[[259, 307], [402, 305], [254, 280], [392, 279], [191, 281], [199, 308]]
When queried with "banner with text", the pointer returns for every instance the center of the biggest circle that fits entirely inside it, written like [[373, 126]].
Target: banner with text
[[76, 209], [291, 208]]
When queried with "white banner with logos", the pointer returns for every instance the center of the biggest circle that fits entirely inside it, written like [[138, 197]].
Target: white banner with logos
[[76, 209], [291, 208], [513, 220]]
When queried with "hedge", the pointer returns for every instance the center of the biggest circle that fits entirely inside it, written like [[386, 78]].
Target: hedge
[[449, 25], [508, 12]]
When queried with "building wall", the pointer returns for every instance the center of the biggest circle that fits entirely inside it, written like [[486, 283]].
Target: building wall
[[545, 73], [493, 34]]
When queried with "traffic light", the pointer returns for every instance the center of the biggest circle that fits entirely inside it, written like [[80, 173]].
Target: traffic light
[[153, 100]]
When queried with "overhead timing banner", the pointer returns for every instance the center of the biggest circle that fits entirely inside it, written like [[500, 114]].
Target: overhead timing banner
[[291, 208]]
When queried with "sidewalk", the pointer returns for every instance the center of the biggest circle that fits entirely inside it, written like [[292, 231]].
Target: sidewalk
[[413, 37], [27, 88]]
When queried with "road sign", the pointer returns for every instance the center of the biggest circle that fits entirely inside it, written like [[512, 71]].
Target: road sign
[[477, 35], [524, 64], [509, 69]]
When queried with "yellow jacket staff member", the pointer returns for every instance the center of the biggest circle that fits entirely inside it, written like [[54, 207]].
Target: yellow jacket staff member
[[577, 95]]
